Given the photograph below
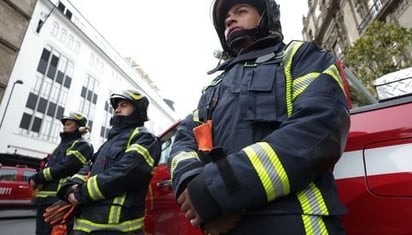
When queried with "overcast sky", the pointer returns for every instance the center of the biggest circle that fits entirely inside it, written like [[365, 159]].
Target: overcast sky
[[173, 41]]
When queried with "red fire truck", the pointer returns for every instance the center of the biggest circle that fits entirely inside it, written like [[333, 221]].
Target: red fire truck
[[15, 190], [373, 176]]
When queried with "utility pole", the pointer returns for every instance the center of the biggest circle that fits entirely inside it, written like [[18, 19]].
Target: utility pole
[[8, 100]]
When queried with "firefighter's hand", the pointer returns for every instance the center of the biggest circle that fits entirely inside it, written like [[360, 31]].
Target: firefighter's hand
[[32, 184], [35, 186], [187, 207], [71, 198], [222, 224]]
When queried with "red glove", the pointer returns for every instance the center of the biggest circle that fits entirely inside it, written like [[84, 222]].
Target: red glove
[[59, 213]]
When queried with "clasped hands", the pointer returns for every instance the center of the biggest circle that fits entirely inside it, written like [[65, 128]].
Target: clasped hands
[[216, 226]]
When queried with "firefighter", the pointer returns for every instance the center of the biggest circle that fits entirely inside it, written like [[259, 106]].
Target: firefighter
[[69, 156], [109, 193], [257, 155]]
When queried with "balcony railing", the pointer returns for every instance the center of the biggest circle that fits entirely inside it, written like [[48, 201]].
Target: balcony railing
[[373, 11]]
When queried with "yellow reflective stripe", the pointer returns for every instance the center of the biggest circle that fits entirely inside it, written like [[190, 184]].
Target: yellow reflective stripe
[[312, 202], [44, 194], [214, 82], [269, 169], [333, 71], [93, 189], [125, 226], [135, 131], [301, 83], [71, 146], [314, 225], [116, 209], [287, 64], [143, 152], [81, 177], [181, 157], [47, 174], [135, 96], [195, 115], [78, 155], [61, 182]]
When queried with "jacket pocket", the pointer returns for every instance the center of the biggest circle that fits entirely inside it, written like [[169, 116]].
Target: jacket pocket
[[260, 98], [112, 156]]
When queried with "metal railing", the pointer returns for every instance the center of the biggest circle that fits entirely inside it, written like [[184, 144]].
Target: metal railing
[[373, 11]]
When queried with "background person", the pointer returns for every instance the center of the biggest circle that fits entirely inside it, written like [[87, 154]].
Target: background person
[[110, 192], [278, 121], [70, 155]]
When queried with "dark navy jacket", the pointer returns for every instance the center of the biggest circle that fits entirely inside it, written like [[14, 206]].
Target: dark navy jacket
[[113, 187], [70, 155], [280, 117]]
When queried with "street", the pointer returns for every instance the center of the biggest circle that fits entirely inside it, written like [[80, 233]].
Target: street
[[17, 222]]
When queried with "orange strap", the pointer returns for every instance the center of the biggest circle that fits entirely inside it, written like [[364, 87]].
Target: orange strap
[[341, 67], [203, 135], [59, 229]]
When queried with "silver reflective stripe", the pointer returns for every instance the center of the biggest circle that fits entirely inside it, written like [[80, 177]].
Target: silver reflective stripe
[[182, 156], [269, 169], [314, 225], [312, 202], [93, 189]]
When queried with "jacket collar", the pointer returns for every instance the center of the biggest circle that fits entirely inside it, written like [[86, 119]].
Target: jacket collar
[[261, 47]]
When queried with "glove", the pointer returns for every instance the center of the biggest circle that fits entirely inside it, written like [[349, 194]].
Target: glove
[[59, 213], [65, 190]]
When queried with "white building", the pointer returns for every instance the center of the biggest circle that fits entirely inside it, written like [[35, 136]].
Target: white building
[[65, 65]]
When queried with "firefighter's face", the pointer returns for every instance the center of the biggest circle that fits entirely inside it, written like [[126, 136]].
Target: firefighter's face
[[241, 17], [124, 108], [69, 126]]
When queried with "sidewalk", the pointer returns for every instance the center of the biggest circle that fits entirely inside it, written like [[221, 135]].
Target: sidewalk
[[13, 213]]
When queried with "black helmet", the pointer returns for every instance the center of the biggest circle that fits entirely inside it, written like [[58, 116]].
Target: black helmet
[[138, 99], [79, 118], [269, 23]]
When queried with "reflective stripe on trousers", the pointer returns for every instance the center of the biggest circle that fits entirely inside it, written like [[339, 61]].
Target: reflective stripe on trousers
[[289, 225], [106, 233]]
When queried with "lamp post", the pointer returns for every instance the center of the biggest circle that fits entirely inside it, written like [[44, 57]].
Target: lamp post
[[8, 100]]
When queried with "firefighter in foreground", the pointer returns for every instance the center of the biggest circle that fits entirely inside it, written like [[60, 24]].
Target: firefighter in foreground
[[70, 155], [256, 156], [109, 193]]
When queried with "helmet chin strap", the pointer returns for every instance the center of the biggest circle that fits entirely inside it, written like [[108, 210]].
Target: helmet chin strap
[[237, 38]]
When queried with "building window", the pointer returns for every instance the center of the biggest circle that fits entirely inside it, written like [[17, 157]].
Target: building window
[[107, 115], [63, 35], [68, 14], [70, 41], [61, 7], [55, 29], [44, 60], [53, 66], [47, 98], [88, 98], [77, 47]]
